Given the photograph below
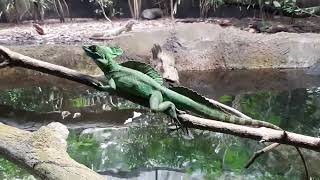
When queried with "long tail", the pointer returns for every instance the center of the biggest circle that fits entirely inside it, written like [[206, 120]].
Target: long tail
[[186, 99], [242, 121]]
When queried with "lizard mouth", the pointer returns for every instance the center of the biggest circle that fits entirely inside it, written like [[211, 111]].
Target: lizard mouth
[[90, 48], [86, 48]]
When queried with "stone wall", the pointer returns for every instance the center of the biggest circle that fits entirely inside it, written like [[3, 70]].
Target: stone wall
[[199, 47]]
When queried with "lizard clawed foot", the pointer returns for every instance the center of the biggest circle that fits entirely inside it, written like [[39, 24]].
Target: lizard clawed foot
[[184, 129], [262, 141], [100, 86], [181, 112], [111, 101], [179, 125]]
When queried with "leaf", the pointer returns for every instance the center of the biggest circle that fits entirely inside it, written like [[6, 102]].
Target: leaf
[[225, 99], [276, 4], [275, 120], [235, 157]]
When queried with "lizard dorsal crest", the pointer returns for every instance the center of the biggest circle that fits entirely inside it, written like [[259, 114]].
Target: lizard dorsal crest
[[144, 68], [192, 95]]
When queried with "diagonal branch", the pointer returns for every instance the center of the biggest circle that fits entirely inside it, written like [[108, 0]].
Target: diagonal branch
[[262, 133], [13, 59]]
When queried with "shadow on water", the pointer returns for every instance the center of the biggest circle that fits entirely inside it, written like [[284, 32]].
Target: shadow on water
[[125, 141]]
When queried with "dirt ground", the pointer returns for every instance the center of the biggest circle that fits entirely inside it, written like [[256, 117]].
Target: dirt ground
[[78, 31], [74, 32]]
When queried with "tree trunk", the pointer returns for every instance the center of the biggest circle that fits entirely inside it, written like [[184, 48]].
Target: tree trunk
[[101, 4], [172, 9], [38, 11], [59, 9], [131, 8]]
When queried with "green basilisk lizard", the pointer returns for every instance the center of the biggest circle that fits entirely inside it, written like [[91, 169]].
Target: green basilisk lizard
[[139, 82]]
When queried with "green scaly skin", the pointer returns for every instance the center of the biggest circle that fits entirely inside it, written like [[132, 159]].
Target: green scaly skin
[[140, 86]]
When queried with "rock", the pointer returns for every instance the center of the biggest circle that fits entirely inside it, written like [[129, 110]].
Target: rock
[[152, 14], [61, 131], [65, 114], [251, 30], [165, 62], [39, 29], [76, 115]]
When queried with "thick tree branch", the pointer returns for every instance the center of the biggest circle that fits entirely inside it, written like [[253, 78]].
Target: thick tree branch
[[262, 133], [43, 152], [12, 59], [16, 59]]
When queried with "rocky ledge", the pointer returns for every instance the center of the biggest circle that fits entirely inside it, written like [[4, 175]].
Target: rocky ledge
[[195, 46]]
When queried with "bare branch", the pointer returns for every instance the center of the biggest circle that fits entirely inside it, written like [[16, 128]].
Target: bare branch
[[260, 152], [262, 133]]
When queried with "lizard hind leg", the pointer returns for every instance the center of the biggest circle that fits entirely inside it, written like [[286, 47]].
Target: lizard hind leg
[[158, 105]]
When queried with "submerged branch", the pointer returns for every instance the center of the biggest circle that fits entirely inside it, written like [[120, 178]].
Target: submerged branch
[[16, 59]]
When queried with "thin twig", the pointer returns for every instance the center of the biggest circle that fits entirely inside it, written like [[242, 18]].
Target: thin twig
[[264, 150], [260, 152], [229, 109], [100, 2], [304, 163], [4, 64]]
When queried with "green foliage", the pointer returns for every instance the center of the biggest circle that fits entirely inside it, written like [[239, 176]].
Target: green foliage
[[295, 110], [79, 102], [226, 99], [8, 170], [102, 4], [85, 149], [207, 5], [290, 7], [240, 154], [25, 99]]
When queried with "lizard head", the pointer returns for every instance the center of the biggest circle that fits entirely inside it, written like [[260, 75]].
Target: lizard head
[[102, 55]]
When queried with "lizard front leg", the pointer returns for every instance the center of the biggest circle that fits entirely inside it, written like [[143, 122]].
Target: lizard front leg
[[158, 105], [109, 87]]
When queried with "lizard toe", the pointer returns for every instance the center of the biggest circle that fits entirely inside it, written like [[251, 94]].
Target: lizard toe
[[181, 112]]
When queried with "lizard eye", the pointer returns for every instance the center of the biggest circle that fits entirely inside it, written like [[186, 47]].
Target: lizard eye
[[93, 48]]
